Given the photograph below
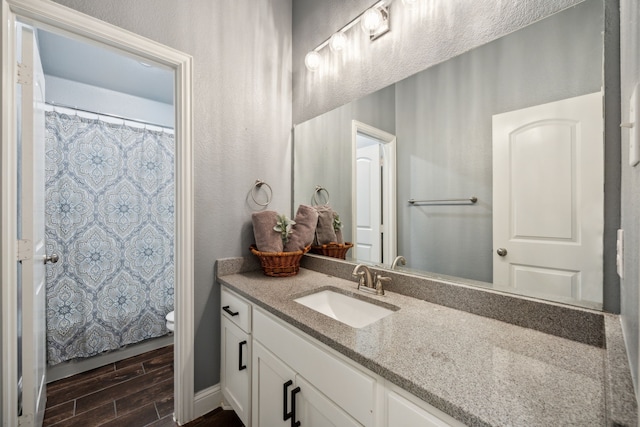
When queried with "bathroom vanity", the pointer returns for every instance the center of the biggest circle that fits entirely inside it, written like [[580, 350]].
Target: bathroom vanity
[[284, 363]]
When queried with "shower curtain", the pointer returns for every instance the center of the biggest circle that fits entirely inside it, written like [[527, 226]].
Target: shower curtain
[[110, 216]]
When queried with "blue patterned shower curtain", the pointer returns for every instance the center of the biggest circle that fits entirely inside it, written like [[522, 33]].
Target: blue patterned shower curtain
[[110, 217]]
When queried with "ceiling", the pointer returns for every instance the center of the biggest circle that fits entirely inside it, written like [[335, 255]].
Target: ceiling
[[106, 68]]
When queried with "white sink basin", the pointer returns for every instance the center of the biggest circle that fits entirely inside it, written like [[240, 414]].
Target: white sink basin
[[352, 311]]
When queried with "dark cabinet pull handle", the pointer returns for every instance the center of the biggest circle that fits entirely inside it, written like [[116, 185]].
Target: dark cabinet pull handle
[[233, 313], [294, 423], [241, 366], [285, 415]]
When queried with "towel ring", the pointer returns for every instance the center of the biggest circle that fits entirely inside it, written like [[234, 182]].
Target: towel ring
[[319, 189], [259, 183]]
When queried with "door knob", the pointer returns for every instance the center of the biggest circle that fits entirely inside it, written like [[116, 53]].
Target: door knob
[[51, 259], [502, 251]]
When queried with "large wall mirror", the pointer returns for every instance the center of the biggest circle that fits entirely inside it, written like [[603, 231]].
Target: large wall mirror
[[498, 157]]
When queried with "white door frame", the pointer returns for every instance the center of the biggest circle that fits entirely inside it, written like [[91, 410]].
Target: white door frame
[[390, 245], [57, 18]]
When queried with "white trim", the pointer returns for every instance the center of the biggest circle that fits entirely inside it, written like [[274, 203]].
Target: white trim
[[390, 246], [8, 232], [57, 18], [207, 400]]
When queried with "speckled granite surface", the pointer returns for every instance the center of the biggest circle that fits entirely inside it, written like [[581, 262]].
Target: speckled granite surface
[[620, 398], [575, 323], [479, 370]]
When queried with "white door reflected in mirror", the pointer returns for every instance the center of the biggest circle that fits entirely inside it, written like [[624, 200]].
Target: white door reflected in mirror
[[374, 192], [548, 199]]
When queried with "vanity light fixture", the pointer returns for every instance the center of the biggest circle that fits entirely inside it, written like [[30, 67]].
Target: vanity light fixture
[[374, 21], [312, 60], [337, 42]]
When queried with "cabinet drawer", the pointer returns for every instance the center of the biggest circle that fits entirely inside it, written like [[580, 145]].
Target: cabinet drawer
[[348, 387], [235, 309]]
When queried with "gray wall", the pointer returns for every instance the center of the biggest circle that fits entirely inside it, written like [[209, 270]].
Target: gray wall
[[419, 38], [242, 121], [629, 288]]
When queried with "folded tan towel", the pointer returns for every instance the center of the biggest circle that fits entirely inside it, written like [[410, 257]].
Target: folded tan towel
[[267, 239], [324, 230], [303, 230]]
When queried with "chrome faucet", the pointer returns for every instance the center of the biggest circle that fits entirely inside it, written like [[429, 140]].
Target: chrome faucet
[[399, 260], [367, 281]]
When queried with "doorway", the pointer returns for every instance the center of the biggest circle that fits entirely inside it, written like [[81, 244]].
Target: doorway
[[374, 194], [52, 17], [109, 204]]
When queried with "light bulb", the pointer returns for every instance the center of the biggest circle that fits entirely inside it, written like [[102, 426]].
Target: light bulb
[[337, 42], [312, 60], [371, 20]]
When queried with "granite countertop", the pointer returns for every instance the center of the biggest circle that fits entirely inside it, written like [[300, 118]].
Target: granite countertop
[[479, 370]]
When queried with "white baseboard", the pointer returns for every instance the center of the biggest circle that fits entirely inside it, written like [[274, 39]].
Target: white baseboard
[[207, 400]]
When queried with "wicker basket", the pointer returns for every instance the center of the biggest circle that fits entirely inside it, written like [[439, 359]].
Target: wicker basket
[[334, 250], [279, 264]]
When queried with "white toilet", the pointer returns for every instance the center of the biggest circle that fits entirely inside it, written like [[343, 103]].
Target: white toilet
[[170, 324]]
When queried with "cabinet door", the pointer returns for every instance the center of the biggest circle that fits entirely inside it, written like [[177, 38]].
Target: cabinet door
[[403, 413], [235, 375], [268, 389], [313, 409]]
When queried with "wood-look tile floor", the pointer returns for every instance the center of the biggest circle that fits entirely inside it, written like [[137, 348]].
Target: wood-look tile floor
[[134, 392]]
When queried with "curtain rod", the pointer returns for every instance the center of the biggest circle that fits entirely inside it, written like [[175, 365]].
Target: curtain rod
[[114, 116]]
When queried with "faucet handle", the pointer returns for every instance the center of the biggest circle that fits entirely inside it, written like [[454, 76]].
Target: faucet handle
[[378, 281]]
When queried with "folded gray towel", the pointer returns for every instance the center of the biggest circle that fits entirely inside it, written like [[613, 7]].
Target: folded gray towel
[[338, 229], [324, 230], [267, 239], [304, 229]]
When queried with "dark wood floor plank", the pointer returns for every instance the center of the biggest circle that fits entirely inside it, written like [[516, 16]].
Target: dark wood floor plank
[[95, 417], [123, 389], [158, 362], [227, 419], [164, 422], [144, 357], [198, 421], [140, 417], [139, 392], [58, 413], [151, 394], [217, 418], [74, 380], [165, 406], [91, 385]]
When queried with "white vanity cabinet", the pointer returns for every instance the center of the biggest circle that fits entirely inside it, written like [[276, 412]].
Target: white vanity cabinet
[[332, 392], [281, 397], [293, 380], [235, 373]]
